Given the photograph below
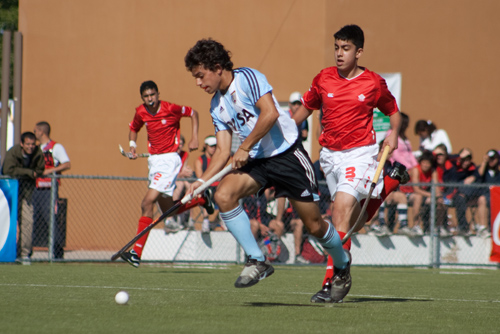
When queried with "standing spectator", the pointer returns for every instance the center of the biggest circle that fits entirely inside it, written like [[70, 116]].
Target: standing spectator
[[294, 104], [270, 155], [347, 95], [200, 166], [163, 129], [56, 162], [25, 161], [488, 173], [463, 171], [431, 137]]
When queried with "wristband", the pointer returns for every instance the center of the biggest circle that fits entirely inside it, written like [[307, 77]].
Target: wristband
[[132, 144], [245, 149], [201, 180]]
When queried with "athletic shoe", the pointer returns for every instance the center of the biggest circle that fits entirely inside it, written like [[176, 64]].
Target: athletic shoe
[[382, 231], [483, 232], [399, 173], [406, 231], [25, 260], [209, 204], [300, 259], [443, 232], [253, 272], [341, 282], [464, 233], [172, 226], [205, 226], [417, 230], [324, 295], [132, 258]]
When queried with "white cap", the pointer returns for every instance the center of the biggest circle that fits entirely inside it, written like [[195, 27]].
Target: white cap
[[211, 141], [294, 97]]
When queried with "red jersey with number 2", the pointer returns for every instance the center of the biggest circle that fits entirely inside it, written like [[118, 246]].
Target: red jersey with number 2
[[347, 106], [163, 128]]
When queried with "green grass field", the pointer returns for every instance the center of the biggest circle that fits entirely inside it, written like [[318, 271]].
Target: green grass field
[[79, 298]]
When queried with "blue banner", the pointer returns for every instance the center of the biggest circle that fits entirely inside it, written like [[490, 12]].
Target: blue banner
[[8, 219]]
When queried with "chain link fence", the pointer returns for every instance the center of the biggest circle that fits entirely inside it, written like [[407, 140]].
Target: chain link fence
[[89, 218]]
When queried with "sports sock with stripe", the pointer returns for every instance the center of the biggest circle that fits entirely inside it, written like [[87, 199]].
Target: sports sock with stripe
[[332, 243], [139, 245], [238, 223]]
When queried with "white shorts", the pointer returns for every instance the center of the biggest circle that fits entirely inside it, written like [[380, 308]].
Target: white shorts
[[163, 170], [351, 171]]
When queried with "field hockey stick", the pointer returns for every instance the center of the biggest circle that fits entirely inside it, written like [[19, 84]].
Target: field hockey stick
[[125, 154], [360, 221], [176, 206]]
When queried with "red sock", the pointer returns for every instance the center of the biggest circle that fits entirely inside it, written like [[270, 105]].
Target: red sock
[[192, 203], [139, 245], [329, 263], [390, 185]]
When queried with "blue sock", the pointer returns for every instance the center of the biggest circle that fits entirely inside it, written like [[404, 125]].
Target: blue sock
[[238, 224], [332, 243]]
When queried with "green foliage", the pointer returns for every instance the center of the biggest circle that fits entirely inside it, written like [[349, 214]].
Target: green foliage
[[79, 298], [9, 14]]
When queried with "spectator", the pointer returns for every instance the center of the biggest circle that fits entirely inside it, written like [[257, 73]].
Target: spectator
[[56, 162], [427, 173], [324, 193], [200, 166], [399, 199], [163, 130], [25, 161], [488, 173], [431, 137], [463, 171], [443, 163], [294, 104]]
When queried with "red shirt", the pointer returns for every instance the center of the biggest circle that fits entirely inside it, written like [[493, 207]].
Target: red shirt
[[347, 106], [163, 128], [424, 177]]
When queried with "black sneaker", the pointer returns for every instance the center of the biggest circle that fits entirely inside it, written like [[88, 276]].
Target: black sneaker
[[399, 173], [324, 295], [132, 258], [253, 272], [209, 202], [341, 282]]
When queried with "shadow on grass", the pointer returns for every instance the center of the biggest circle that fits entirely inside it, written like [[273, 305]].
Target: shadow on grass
[[258, 304], [384, 300]]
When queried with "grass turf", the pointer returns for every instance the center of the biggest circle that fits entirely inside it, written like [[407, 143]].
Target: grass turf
[[79, 298]]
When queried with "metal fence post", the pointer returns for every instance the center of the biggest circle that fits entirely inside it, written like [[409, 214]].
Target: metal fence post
[[434, 240], [52, 223]]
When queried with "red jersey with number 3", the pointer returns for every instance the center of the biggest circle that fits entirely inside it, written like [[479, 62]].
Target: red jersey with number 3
[[163, 128], [347, 106]]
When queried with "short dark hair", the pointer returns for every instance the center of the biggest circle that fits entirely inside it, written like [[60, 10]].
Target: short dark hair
[[405, 120], [353, 33], [28, 135], [427, 155], [424, 126], [148, 85], [208, 53], [45, 126]]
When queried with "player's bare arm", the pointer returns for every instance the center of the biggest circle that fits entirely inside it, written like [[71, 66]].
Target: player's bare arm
[[194, 143], [301, 114], [267, 118], [58, 169], [132, 136], [392, 139]]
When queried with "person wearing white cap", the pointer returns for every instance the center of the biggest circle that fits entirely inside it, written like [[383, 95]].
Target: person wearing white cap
[[294, 103], [200, 165]]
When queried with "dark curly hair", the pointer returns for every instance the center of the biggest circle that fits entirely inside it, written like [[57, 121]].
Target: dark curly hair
[[208, 53]]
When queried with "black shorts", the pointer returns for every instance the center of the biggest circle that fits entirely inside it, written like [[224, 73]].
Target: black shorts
[[291, 173]]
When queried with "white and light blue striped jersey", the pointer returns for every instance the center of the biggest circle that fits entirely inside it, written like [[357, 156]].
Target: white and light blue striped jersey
[[236, 111]]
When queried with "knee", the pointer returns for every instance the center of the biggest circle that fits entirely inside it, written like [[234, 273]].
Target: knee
[[224, 199]]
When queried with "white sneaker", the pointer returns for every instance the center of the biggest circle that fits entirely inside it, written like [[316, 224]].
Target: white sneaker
[[172, 226], [205, 226], [406, 231], [444, 233], [417, 230], [383, 231], [483, 232]]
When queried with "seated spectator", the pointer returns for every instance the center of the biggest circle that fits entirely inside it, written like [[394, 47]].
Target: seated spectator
[[427, 173], [430, 137], [463, 171], [488, 173]]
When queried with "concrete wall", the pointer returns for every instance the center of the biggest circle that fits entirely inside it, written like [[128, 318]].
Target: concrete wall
[[85, 59]]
